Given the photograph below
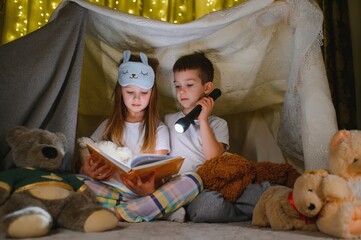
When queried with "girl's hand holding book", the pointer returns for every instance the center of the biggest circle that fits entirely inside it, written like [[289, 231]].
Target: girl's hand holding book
[[96, 169], [141, 186]]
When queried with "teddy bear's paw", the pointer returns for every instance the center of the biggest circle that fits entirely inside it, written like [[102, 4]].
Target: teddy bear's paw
[[38, 222], [355, 228], [357, 213], [258, 222], [355, 225], [100, 221], [83, 141]]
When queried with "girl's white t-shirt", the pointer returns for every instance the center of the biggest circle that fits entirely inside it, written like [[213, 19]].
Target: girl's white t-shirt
[[134, 136]]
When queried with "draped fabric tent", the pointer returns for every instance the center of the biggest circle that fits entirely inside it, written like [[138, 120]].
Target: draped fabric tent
[[267, 58]]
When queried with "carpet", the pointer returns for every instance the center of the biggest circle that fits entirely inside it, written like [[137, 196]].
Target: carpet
[[188, 230]]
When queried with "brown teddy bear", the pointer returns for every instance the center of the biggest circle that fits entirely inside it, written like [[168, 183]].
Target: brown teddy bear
[[36, 195], [300, 208], [230, 174]]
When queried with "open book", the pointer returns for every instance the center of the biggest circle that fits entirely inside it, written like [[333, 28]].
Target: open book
[[165, 166]]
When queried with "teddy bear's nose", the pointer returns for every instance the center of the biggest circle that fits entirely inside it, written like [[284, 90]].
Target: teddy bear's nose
[[311, 207], [49, 152]]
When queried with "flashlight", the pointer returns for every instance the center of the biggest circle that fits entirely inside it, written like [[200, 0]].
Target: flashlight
[[183, 123]]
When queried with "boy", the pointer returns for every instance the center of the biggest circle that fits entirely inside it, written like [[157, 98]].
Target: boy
[[206, 139]]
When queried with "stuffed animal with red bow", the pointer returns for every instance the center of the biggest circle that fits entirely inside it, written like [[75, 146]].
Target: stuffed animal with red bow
[[300, 208]]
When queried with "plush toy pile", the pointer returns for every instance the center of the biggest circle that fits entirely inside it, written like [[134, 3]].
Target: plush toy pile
[[330, 202], [36, 195], [230, 174], [302, 207], [343, 219]]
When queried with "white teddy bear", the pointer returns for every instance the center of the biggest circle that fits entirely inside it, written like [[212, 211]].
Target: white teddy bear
[[121, 154], [345, 158], [345, 161]]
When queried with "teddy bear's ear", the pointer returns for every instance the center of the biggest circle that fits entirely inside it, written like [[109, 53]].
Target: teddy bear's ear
[[339, 136], [335, 188], [62, 137], [83, 150], [14, 133]]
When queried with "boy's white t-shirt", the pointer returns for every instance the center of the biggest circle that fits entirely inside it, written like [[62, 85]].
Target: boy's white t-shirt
[[134, 136], [189, 143]]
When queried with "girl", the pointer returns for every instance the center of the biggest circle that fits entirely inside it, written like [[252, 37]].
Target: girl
[[134, 123]]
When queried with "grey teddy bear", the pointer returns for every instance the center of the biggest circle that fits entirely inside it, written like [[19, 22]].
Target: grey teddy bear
[[37, 195]]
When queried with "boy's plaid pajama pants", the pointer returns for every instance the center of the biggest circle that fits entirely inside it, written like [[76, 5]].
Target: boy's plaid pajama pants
[[132, 208]]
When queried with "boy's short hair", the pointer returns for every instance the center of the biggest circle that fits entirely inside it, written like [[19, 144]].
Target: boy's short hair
[[196, 60]]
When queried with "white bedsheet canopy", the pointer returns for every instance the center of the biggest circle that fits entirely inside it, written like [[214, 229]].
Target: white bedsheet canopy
[[268, 64]]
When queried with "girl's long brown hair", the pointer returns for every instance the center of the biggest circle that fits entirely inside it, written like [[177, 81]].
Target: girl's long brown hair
[[114, 129]]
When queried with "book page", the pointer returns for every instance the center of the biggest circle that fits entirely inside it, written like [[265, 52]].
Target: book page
[[146, 159], [163, 169]]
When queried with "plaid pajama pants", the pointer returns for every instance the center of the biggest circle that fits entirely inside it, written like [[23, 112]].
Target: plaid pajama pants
[[132, 208]]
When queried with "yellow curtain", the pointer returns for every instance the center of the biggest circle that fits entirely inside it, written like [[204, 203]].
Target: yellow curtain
[[24, 16]]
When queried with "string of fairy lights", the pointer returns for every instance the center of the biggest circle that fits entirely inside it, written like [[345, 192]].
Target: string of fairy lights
[[24, 16]]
